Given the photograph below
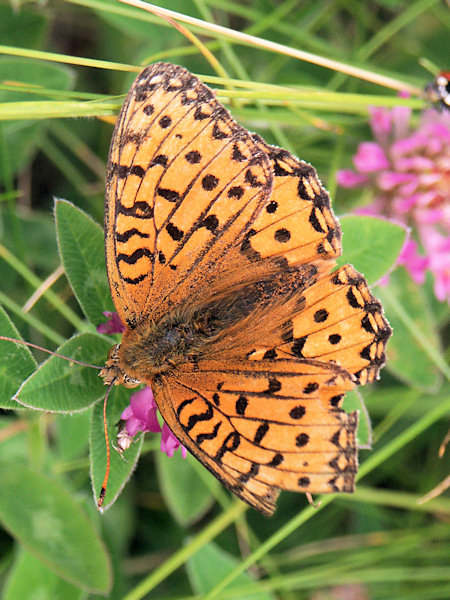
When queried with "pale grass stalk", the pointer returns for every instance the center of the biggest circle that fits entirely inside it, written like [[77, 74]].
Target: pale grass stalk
[[40, 291], [247, 39], [66, 59], [436, 491]]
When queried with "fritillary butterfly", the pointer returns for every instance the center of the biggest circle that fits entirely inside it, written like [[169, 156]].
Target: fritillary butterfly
[[220, 253]]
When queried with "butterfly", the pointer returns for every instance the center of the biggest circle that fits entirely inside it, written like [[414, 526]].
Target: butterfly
[[220, 256], [439, 90]]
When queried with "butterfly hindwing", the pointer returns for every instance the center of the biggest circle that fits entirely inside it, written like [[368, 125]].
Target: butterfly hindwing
[[340, 322], [264, 427]]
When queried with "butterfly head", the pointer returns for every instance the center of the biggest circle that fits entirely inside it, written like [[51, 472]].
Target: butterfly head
[[112, 372]]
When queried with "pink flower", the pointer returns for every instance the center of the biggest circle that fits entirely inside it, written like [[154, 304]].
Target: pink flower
[[349, 179], [409, 173], [437, 247], [112, 325], [370, 157], [141, 415], [169, 443], [415, 263]]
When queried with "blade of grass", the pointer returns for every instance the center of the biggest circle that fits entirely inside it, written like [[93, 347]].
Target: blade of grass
[[404, 438], [399, 499], [51, 335], [66, 166], [313, 581], [81, 150], [176, 560], [242, 73], [52, 93], [11, 220], [279, 48], [389, 300], [255, 17], [385, 33], [16, 111], [35, 283], [67, 59], [392, 27]]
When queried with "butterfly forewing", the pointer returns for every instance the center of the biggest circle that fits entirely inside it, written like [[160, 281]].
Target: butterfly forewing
[[298, 223], [184, 185]]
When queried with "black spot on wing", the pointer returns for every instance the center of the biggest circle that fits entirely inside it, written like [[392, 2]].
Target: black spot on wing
[[194, 419], [241, 405], [175, 233], [230, 444], [261, 432], [124, 237], [170, 195], [211, 222], [139, 210]]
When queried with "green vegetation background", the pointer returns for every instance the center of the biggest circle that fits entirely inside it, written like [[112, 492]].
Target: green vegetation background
[[174, 532]]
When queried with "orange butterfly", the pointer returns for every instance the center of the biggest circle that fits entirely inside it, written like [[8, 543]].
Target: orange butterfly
[[219, 254]]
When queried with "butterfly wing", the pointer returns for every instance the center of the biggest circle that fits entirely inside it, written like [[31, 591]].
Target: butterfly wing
[[184, 185], [261, 427], [265, 413], [337, 320], [297, 224]]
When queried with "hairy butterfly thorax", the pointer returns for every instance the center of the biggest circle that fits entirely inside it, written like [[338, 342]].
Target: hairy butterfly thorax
[[193, 332]]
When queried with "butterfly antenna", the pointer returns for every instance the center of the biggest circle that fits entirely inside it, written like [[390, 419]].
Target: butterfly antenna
[[78, 362], [102, 495]]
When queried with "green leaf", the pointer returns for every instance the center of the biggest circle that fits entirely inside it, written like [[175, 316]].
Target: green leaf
[[16, 362], [72, 434], [63, 386], [407, 356], [354, 401], [371, 245], [22, 28], [14, 436], [121, 467], [50, 524], [30, 578], [211, 564], [80, 242], [187, 496], [23, 136]]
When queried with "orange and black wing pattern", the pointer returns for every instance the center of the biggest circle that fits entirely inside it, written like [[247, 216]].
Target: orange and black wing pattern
[[266, 414], [265, 426], [184, 185], [220, 253], [297, 225]]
